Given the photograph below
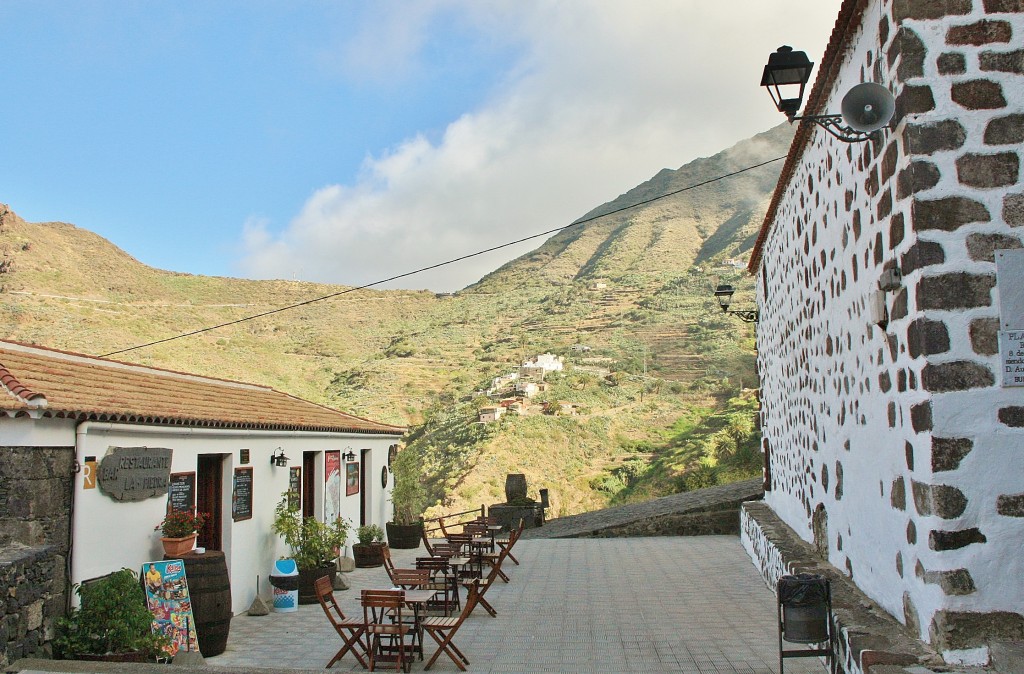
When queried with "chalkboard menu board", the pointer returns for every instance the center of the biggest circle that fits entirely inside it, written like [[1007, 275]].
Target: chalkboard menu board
[[181, 492], [241, 495]]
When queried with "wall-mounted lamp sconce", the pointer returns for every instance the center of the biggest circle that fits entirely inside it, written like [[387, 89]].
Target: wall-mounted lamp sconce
[[278, 459], [723, 294], [866, 108], [350, 456]]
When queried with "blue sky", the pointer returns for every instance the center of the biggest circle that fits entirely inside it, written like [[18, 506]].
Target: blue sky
[[346, 142]]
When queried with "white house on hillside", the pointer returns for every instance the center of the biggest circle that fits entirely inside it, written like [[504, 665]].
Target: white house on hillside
[[890, 286], [142, 439]]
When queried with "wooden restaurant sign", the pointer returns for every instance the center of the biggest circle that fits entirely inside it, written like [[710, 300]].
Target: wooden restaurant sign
[[135, 473]]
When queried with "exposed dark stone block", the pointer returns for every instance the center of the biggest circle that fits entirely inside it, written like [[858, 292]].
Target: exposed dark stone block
[[918, 176], [925, 337], [912, 100], [884, 209], [954, 540], [891, 413], [884, 382], [947, 214], [934, 136], [947, 453], [1012, 416], [911, 532], [898, 494], [956, 376], [1003, 6], [889, 159], [928, 9], [978, 95], [911, 50], [1003, 62], [982, 32], [983, 247], [955, 291], [839, 481], [1008, 130], [961, 630], [899, 306], [922, 254], [910, 618], [956, 582], [938, 499], [985, 336], [921, 417], [1011, 505], [1013, 210], [908, 453], [951, 63], [988, 170]]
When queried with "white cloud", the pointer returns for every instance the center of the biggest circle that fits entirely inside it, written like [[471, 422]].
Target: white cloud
[[603, 95]]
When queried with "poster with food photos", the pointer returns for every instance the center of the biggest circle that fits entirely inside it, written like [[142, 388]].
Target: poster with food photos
[[168, 600]]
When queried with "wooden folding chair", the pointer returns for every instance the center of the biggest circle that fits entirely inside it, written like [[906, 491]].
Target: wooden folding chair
[[410, 579], [351, 630], [441, 579], [506, 542], [486, 583], [389, 566], [442, 630], [494, 559], [385, 630]]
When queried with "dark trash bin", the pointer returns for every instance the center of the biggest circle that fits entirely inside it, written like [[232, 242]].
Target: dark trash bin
[[804, 612]]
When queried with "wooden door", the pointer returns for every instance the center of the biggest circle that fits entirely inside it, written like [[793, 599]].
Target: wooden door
[[309, 484], [210, 499]]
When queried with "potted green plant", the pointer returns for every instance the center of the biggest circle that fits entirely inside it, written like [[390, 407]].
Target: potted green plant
[[405, 530], [111, 623], [179, 529], [369, 551], [314, 545]]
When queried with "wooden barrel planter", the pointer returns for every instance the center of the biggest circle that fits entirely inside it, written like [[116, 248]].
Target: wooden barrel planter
[[210, 592], [515, 487], [404, 536], [368, 555], [308, 578]]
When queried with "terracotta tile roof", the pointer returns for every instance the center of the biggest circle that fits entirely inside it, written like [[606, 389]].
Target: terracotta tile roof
[[47, 382], [850, 15]]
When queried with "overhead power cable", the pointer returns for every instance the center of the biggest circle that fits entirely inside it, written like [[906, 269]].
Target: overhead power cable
[[575, 223]]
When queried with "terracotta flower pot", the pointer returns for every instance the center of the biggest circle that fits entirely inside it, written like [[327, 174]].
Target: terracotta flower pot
[[175, 547]]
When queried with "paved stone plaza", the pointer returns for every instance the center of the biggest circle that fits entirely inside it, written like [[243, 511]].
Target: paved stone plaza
[[661, 604]]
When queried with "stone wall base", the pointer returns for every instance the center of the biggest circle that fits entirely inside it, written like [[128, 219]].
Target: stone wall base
[[35, 593], [869, 639]]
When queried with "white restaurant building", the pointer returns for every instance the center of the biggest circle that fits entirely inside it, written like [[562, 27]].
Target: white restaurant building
[[69, 412]]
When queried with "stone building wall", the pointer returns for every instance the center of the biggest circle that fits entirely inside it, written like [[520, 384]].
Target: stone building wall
[[894, 449], [35, 592], [35, 525]]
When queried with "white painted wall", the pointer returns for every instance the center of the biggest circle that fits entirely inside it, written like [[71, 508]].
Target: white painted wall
[[108, 534]]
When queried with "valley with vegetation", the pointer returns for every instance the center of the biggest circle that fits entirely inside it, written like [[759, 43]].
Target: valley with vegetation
[[658, 388]]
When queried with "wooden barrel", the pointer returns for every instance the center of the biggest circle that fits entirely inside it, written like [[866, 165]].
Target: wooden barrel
[[515, 487], [210, 591]]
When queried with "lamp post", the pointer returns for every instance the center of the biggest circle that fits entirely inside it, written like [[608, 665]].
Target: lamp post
[[866, 108], [723, 294]]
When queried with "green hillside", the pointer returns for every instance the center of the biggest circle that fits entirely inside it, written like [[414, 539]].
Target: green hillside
[[634, 287]]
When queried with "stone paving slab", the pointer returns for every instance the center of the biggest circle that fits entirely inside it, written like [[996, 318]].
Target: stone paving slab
[[656, 604]]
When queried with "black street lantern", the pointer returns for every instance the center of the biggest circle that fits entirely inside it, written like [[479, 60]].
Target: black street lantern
[[350, 456], [279, 459], [723, 294], [790, 69]]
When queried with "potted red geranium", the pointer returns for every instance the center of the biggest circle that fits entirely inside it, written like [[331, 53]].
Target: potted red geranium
[[179, 529]]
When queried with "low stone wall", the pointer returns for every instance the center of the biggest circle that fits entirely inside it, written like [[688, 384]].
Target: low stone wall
[[868, 636], [35, 594]]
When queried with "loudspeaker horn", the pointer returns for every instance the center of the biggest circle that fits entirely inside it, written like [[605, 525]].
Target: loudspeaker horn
[[868, 107]]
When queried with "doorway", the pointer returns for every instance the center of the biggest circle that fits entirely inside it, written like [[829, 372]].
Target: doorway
[[364, 485], [309, 484], [210, 499]]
